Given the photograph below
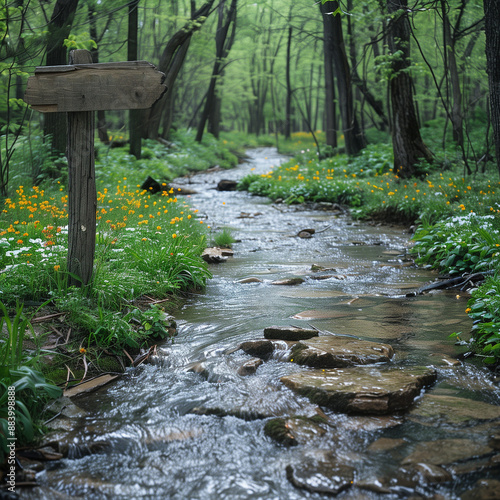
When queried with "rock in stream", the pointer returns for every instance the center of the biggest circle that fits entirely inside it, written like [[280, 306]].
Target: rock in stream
[[369, 390]]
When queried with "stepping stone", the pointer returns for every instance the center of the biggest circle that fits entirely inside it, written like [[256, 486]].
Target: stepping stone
[[289, 333], [292, 431], [446, 451], [369, 390], [339, 352], [328, 478], [288, 281], [453, 410], [265, 348]]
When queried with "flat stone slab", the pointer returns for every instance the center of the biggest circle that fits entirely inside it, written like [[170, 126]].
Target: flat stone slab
[[289, 333], [453, 410], [249, 367], [446, 451], [328, 478], [294, 430], [90, 385], [288, 281], [213, 255], [485, 489], [340, 352], [368, 390], [320, 314]]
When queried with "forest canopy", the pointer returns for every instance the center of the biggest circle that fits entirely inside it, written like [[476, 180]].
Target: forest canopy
[[358, 70]]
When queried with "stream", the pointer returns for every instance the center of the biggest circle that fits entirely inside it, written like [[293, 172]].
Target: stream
[[189, 426]]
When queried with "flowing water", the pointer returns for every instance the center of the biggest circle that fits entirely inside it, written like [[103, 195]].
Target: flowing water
[[157, 445]]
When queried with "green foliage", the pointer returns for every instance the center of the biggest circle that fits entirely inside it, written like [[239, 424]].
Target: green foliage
[[460, 244], [183, 156], [223, 239], [19, 379], [484, 309], [80, 41]]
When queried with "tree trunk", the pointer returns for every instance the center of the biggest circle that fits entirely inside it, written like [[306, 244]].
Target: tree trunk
[[288, 103], [58, 30], [171, 62], [353, 136], [409, 148], [134, 114], [102, 131], [330, 104], [492, 32], [223, 45], [451, 67]]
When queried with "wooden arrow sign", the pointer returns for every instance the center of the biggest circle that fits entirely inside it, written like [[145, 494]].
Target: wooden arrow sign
[[94, 87]]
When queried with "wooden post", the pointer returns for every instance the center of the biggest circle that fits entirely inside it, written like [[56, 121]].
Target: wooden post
[[82, 195]]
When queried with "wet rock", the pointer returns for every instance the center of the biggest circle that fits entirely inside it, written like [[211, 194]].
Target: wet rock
[[438, 359], [446, 451], [453, 410], [90, 386], [494, 442], [264, 348], [424, 472], [244, 414], [476, 465], [329, 478], [385, 444], [227, 185], [259, 348], [250, 367], [369, 424], [198, 367], [181, 190], [373, 485], [249, 280], [306, 233], [213, 255], [339, 352], [362, 389], [247, 215], [64, 406], [485, 489], [289, 333], [318, 268], [288, 281], [320, 277], [293, 430]]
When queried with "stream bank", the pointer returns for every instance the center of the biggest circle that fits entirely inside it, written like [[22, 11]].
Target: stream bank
[[195, 424]]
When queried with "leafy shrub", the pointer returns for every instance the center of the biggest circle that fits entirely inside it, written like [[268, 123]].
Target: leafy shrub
[[484, 309], [19, 378], [460, 244]]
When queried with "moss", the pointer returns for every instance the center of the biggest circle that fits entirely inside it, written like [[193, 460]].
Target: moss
[[277, 429], [109, 364]]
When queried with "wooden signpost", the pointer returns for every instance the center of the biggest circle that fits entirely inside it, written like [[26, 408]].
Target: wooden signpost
[[79, 89]]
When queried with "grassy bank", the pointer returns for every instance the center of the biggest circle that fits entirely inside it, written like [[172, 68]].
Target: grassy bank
[[148, 256], [457, 217]]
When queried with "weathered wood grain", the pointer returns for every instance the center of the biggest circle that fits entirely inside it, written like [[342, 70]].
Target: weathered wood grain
[[94, 87], [82, 195]]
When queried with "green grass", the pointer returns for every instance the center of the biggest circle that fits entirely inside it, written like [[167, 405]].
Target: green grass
[[23, 388], [223, 239], [148, 248]]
